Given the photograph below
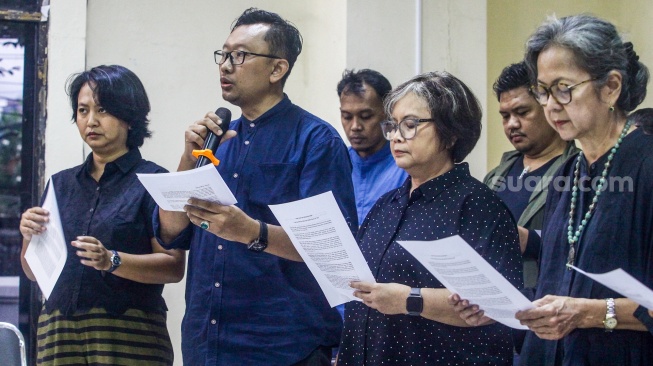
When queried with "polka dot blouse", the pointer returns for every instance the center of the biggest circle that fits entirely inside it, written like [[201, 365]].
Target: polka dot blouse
[[453, 203]]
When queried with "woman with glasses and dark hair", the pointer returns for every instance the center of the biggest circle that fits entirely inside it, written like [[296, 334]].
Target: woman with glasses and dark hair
[[588, 80], [404, 319], [106, 307]]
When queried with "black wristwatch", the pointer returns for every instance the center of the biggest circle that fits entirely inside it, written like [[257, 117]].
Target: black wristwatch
[[115, 261], [259, 244], [415, 302]]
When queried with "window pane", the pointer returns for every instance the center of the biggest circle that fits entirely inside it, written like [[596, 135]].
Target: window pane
[[12, 60], [23, 5], [12, 56]]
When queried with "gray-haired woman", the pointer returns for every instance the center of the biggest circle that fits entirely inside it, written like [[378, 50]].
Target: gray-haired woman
[[588, 80]]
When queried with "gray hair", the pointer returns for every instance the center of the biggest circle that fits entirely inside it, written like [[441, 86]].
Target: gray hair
[[452, 104], [597, 48]]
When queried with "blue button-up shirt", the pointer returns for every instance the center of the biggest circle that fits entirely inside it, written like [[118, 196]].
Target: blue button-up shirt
[[247, 308], [373, 176]]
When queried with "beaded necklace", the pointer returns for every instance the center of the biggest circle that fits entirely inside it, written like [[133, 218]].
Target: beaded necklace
[[572, 237]]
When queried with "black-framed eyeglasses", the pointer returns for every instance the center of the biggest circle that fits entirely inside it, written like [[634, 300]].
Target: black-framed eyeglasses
[[407, 127], [236, 57], [561, 92]]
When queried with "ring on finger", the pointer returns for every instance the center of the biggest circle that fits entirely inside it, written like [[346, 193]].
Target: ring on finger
[[204, 225]]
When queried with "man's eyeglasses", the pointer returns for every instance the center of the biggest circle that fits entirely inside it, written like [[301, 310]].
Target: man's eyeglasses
[[407, 128], [561, 92], [236, 57]]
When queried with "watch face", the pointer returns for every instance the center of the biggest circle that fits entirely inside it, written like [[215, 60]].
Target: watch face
[[610, 323], [115, 261], [414, 305], [257, 246]]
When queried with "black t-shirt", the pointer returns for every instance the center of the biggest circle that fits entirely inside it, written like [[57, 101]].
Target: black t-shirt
[[519, 187]]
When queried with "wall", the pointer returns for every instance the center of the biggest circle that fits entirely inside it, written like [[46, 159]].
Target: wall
[[510, 23], [170, 46], [381, 35], [66, 55]]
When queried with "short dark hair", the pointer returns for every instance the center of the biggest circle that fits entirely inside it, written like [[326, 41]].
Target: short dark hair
[[352, 82], [283, 37], [512, 77], [597, 48], [454, 107], [120, 92]]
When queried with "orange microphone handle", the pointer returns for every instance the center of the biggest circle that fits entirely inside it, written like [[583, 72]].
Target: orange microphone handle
[[207, 154]]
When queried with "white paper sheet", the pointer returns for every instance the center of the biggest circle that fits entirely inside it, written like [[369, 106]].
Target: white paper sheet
[[46, 253], [620, 281], [463, 271], [171, 191], [320, 234]]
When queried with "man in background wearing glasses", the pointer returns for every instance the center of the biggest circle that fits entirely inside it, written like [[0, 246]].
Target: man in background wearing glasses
[[520, 180], [249, 298]]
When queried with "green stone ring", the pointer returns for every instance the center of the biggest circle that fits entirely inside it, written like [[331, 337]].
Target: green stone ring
[[204, 225]]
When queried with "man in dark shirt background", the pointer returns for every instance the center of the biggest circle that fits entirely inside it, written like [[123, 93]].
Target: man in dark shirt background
[[521, 179], [249, 298]]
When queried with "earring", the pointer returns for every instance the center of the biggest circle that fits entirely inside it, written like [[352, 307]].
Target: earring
[[611, 109]]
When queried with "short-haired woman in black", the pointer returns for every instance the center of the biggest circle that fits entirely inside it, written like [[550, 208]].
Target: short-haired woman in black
[[106, 307]]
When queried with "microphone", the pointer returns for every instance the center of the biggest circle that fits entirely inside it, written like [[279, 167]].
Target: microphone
[[212, 140]]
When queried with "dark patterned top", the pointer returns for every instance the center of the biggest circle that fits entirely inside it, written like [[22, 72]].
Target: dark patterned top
[[117, 210], [618, 235], [451, 204]]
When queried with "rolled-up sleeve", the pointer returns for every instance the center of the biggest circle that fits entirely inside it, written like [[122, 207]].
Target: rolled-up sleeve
[[182, 241]]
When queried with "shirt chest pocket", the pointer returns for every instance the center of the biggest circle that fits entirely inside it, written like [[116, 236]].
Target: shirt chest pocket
[[129, 235], [275, 183]]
